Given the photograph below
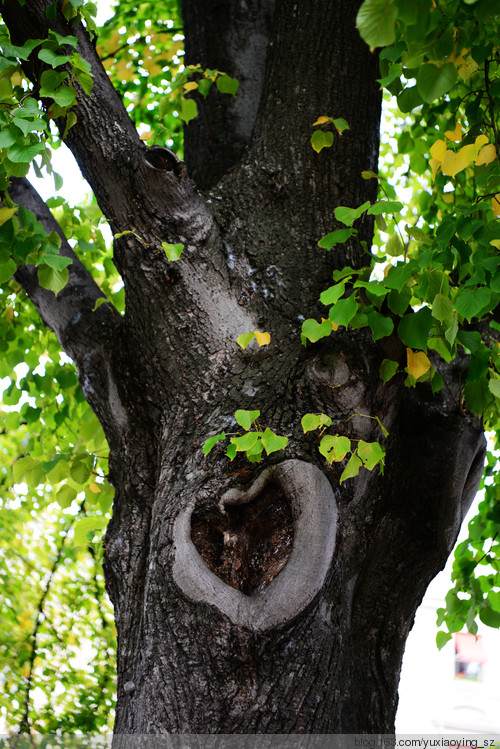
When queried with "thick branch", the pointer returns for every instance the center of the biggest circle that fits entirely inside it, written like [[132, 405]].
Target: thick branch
[[104, 140], [69, 314], [87, 336]]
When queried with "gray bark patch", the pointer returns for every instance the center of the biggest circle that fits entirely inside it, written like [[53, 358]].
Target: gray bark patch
[[291, 589]]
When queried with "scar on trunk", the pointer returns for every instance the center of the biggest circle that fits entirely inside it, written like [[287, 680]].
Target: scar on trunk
[[264, 558], [249, 544]]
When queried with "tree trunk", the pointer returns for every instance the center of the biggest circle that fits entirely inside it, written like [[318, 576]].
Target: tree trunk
[[255, 597]]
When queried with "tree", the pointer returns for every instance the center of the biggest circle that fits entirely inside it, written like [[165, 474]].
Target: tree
[[259, 584]]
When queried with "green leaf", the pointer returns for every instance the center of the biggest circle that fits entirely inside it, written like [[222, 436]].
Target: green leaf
[[204, 86], [380, 325], [384, 431], [341, 125], [65, 495], [335, 237], [244, 339], [333, 293], [442, 307], [8, 269], [57, 262], [388, 369], [80, 470], [433, 82], [347, 215], [313, 330], [352, 468], [376, 21], [414, 329], [478, 396], [189, 110], [314, 421], [246, 418], [409, 99], [29, 470], [226, 84], [371, 453], [471, 301], [494, 386], [344, 310], [273, 442], [50, 81], [211, 441], [246, 441], [19, 153], [172, 251], [394, 246], [51, 279], [489, 616], [400, 274], [64, 96], [334, 447], [254, 455], [398, 301], [53, 59], [87, 525], [321, 139], [442, 638], [384, 206]]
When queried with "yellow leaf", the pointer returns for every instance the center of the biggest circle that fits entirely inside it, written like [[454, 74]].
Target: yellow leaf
[[9, 312], [153, 67], [496, 243], [438, 150], [321, 121], [146, 136], [262, 338], [448, 197], [418, 363], [6, 214], [94, 488], [480, 141], [174, 49], [467, 69], [434, 164], [123, 72], [113, 42], [16, 78], [190, 86], [455, 162], [487, 154], [495, 204], [455, 135]]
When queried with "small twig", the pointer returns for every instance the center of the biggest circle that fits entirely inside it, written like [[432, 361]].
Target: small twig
[[24, 726]]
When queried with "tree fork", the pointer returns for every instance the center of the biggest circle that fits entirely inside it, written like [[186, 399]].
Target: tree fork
[[314, 645]]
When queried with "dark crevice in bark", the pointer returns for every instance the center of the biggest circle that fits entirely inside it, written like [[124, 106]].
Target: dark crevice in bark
[[248, 545], [233, 38]]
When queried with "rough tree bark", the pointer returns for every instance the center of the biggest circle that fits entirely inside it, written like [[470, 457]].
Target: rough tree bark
[[251, 598]]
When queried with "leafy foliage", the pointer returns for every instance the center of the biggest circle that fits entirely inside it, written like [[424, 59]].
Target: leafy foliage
[[441, 63], [253, 442]]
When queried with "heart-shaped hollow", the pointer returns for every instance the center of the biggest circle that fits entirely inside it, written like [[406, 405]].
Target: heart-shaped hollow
[[248, 545]]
